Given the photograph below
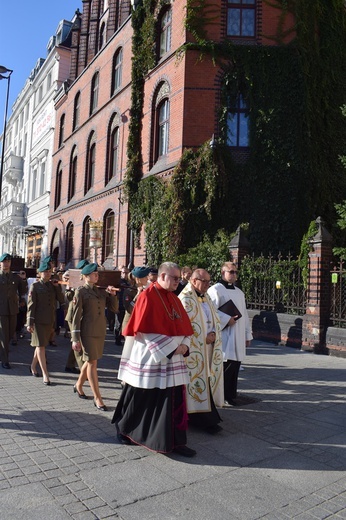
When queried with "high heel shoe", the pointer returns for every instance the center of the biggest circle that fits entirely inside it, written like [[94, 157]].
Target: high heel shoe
[[102, 408], [47, 383], [35, 374], [81, 396]]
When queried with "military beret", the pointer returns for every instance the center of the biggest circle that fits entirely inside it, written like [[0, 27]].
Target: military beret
[[89, 268], [82, 264], [140, 272], [44, 266], [153, 270], [5, 256], [48, 259]]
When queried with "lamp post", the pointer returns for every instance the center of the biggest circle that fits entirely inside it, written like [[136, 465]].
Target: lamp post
[[4, 74]]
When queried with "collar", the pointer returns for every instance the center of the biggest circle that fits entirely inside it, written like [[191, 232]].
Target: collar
[[227, 285], [200, 297]]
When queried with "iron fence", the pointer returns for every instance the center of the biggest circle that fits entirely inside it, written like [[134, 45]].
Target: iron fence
[[273, 284], [338, 295]]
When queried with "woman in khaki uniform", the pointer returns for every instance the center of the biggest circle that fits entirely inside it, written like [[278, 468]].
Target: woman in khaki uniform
[[88, 328], [41, 316]]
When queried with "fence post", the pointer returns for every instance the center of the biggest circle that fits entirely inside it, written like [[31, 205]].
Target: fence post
[[315, 322], [238, 247]]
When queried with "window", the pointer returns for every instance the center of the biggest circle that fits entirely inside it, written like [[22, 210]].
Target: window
[[76, 111], [113, 149], [94, 93], [43, 178], [86, 238], [108, 226], [33, 183], [102, 36], [90, 164], [238, 124], [165, 32], [61, 130], [69, 243], [241, 18], [40, 93], [49, 81], [73, 175], [58, 184], [160, 123], [117, 70], [162, 128]]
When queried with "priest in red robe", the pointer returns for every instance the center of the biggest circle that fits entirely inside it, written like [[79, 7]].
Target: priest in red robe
[[152, 408]]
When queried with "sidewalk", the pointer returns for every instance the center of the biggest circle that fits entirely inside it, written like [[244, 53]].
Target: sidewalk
[[282, 457]]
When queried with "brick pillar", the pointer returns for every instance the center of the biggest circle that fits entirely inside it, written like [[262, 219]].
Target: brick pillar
[[315, 322], [238, 247]]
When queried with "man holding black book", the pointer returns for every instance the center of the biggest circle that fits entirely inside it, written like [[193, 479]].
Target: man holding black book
[[235, 325]]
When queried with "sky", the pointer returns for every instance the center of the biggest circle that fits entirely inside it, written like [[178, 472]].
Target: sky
[[26, 26]]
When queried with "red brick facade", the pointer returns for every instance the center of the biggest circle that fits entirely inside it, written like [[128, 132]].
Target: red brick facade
[[191, 85]]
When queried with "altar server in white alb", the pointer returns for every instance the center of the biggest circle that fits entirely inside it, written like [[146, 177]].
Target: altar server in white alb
[[236, 331]]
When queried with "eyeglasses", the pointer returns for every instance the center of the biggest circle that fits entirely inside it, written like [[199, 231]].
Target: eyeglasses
[[231, 272], [175, 278], [202, 280]]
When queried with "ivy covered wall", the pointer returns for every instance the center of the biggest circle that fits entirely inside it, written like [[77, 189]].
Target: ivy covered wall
[[292, 173]]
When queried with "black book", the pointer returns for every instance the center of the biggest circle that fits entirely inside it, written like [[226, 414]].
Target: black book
[[231, 309]]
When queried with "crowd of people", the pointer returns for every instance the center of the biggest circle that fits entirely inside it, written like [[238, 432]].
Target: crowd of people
[[183, 342]]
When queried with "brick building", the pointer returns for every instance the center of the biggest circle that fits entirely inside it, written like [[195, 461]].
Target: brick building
[[181, 101]]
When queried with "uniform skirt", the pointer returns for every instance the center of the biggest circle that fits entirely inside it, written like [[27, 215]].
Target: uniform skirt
[[41, 335], [92, 347]]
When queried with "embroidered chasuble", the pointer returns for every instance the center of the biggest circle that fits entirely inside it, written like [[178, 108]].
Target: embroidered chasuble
[[205, 362]]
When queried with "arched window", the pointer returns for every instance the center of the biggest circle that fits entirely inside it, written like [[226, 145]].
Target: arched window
[[61, 130], [108, 240], [160, 126], [90, 164], [58, 185], [94, 93], [241, 18], [112, 149], [116, 71], [72, 174], [69, 243], [238, 124], [165, 32], [102, 40], [76, 111], [86, 238]]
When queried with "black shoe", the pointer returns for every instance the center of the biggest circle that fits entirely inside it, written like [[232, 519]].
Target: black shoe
[[102, 408], [72, 370], [123, 440], [81, 396], [35, 374], [231, 402], [6, 365], [184, 451], [47, 383], [216, 428]]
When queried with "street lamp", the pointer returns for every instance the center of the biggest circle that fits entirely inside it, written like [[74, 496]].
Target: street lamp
[[4, 74]]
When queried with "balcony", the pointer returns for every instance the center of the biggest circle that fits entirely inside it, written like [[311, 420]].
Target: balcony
[[13, 214], [14, 169]]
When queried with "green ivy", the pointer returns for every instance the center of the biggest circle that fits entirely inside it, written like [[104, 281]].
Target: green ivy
[[291, 174]]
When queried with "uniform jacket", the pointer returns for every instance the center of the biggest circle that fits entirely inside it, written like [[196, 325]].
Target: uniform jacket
[[42, 302], [12, 287], [88, 312]]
